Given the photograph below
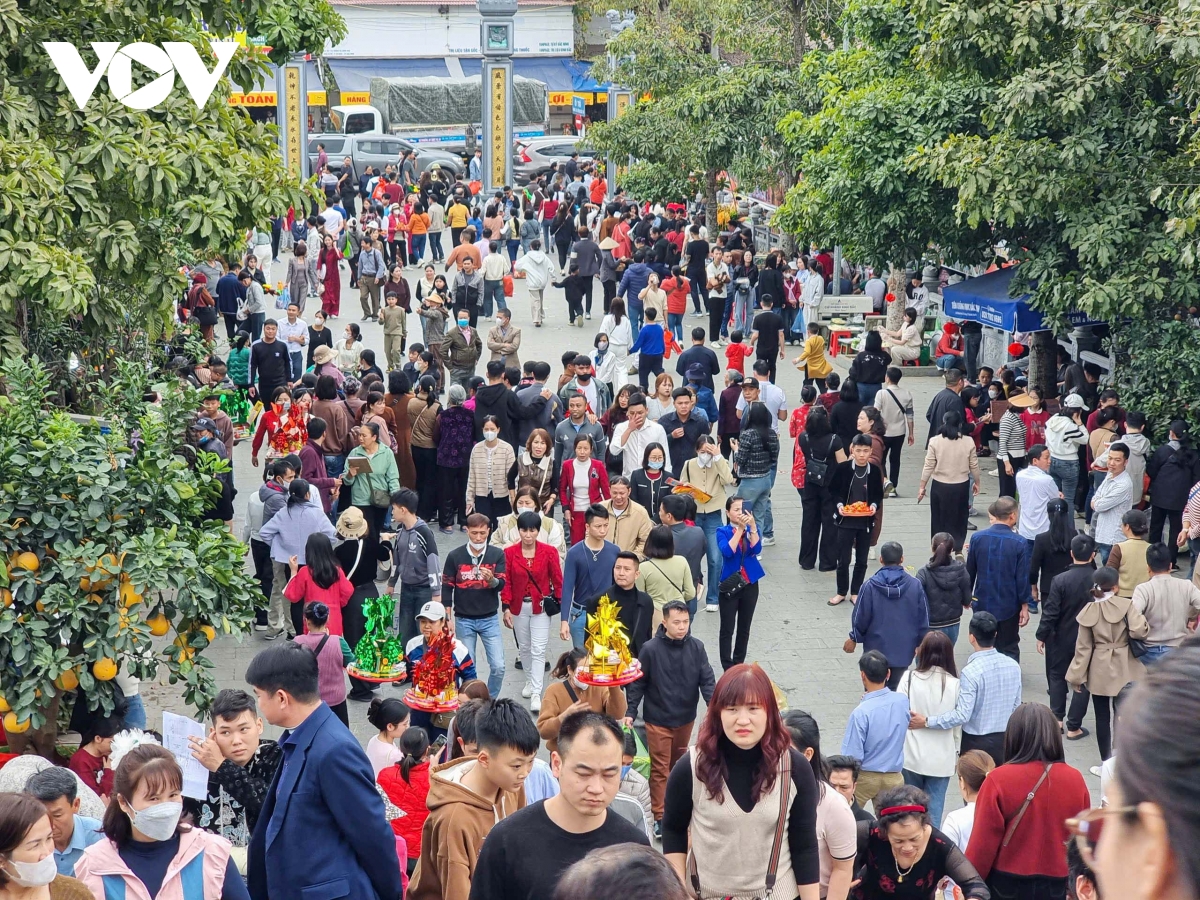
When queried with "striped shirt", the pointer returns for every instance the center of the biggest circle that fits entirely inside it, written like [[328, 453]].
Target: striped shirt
[[1012, 435]]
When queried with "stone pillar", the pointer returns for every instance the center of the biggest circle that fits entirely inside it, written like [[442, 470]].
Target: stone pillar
[[496, 43], [291, 98]]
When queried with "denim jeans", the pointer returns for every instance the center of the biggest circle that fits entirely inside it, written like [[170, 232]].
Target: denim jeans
[[710, 522], [743, 302], [135, 712], [418, 248], [334, 465], [1154, 652], [466, 630], [493, 291], [950, 631], [867, 392], [297, 365], [1065, 473], [757, 493], [935, 787], [948, 361], [1102, 551], [636, 312], [675, 323], [577, 621], [412, 598]]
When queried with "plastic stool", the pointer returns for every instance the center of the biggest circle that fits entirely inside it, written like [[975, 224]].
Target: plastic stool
[[836, 334]]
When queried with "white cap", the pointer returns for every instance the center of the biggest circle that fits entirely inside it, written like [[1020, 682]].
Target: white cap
[[433, 610], [1074, 401]]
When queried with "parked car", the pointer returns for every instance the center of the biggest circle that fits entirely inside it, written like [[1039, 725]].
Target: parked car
[[532, 157], [377, 150]]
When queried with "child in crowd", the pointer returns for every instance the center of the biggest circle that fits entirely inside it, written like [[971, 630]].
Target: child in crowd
[[90, 761], [633, 782], [406, 784], [736, 351], [391, 718], [333, 655], [394, 320]]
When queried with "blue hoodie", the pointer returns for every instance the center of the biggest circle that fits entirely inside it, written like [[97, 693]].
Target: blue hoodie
[[891, 616]]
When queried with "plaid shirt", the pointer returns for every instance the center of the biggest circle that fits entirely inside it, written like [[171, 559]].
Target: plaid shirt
[[989, 690]]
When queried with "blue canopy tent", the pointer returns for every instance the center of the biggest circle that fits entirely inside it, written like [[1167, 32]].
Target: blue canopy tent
[[985, 299]]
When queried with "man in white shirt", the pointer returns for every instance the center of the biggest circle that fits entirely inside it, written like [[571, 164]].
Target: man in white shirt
[[294, 334], [876, 289], [717, 275], [333, 221], [1036, 488], [759, 389], [1113, 498], [631, 437]]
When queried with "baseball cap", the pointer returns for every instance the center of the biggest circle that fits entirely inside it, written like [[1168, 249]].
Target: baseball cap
[[1074, 401], [433, 610], [204, 423]]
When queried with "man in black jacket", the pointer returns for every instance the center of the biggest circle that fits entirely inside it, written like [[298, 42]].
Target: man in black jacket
[[496, 399], [675, 674], [698, 354], [1070, 592], [635, 609], [270, 365], [944, 401]]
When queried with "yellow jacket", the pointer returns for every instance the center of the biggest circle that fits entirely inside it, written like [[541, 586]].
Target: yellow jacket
[[813, 358]]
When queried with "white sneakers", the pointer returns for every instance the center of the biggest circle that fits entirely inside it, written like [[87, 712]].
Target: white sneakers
[[527, 691], [535, 703], [712, 607]]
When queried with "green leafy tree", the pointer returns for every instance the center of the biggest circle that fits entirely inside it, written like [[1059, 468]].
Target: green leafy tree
[[105, 549], [99, 207]]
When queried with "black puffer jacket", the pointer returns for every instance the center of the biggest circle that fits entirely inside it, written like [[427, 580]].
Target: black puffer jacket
[[676, 674], [948, 590]]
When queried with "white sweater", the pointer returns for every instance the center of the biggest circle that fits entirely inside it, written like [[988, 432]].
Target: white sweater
[[1064, 437], [930, 751]]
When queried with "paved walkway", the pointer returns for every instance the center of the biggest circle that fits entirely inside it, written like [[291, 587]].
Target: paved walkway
[[796, 637]]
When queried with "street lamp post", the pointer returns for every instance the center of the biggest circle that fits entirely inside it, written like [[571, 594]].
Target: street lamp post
[[496, 42]]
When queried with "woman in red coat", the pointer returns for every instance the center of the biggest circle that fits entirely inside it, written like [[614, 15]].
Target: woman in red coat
[[1029, 863], [331, 276], [533, 575], [407, 784], [582, 482]]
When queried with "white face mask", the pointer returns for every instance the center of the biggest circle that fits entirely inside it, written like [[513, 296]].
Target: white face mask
[[490, 435], [157, 822], [33, 874], [705, 459], [478, 548], [578, 684]]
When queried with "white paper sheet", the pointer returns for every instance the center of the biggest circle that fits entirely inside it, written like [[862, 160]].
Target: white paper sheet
[[176, 731]]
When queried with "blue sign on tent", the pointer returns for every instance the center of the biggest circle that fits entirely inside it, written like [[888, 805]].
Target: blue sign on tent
[[578, 106], [985, 299]]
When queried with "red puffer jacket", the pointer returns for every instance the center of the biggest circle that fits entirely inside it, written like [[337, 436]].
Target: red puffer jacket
[[410, 797]]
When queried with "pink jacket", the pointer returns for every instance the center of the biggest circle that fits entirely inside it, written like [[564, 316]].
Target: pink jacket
[[102, 865]]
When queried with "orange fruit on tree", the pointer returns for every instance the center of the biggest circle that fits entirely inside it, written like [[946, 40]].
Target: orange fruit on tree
[[104, 669], [40, 606], [109, 564], [4, 705], [129, 596], [29, 561], [13, 725], [209, 632], [95, 598], [67, 681], [159, 624], [6, 597]]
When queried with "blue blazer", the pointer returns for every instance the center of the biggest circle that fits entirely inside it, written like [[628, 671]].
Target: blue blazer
[[322, 834]]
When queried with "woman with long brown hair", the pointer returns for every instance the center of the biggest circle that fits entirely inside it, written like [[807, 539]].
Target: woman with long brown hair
[[331, 276], [931, 685], [743, 777]]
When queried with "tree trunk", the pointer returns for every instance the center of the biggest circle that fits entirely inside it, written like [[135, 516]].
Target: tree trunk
[[710, 205], [799, 28], [895, 309], [1042, 373], [39, 740]]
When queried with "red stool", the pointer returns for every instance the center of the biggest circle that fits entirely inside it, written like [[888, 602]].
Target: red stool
[[834, 335]]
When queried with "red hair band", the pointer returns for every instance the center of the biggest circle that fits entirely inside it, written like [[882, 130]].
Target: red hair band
[[894, 810]]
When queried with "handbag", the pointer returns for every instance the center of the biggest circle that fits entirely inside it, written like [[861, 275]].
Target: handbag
[[206, 315], [784, 782], [1138, 648], [1012, 827], [733, 583], [551, 606]]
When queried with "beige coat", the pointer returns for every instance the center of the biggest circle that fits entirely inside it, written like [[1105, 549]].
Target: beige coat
[[950, 462], [1102, 658], [505, 346], [630, 529], [482, 480]]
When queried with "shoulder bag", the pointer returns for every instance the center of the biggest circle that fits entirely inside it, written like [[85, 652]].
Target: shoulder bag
[[785, 793], [551, 606], [817, 470], [1012, 827], [677, 587], [1137, 647]]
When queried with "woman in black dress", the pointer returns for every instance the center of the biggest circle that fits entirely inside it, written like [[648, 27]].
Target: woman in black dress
[[823, 452], [1052, 548], [905, 857], [359, 556]]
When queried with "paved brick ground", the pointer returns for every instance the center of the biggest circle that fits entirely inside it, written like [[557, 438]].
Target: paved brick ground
[[796, 637]]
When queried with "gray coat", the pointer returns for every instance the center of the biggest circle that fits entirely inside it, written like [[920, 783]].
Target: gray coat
[[547, 417], [586, 254]]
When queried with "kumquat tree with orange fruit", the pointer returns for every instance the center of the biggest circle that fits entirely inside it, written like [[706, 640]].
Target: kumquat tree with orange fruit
[[105, 557]]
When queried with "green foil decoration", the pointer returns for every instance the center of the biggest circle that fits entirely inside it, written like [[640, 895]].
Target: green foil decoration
[[379, 652]]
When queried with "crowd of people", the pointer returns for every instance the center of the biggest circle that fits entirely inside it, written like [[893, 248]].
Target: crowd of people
[[604, 473]]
